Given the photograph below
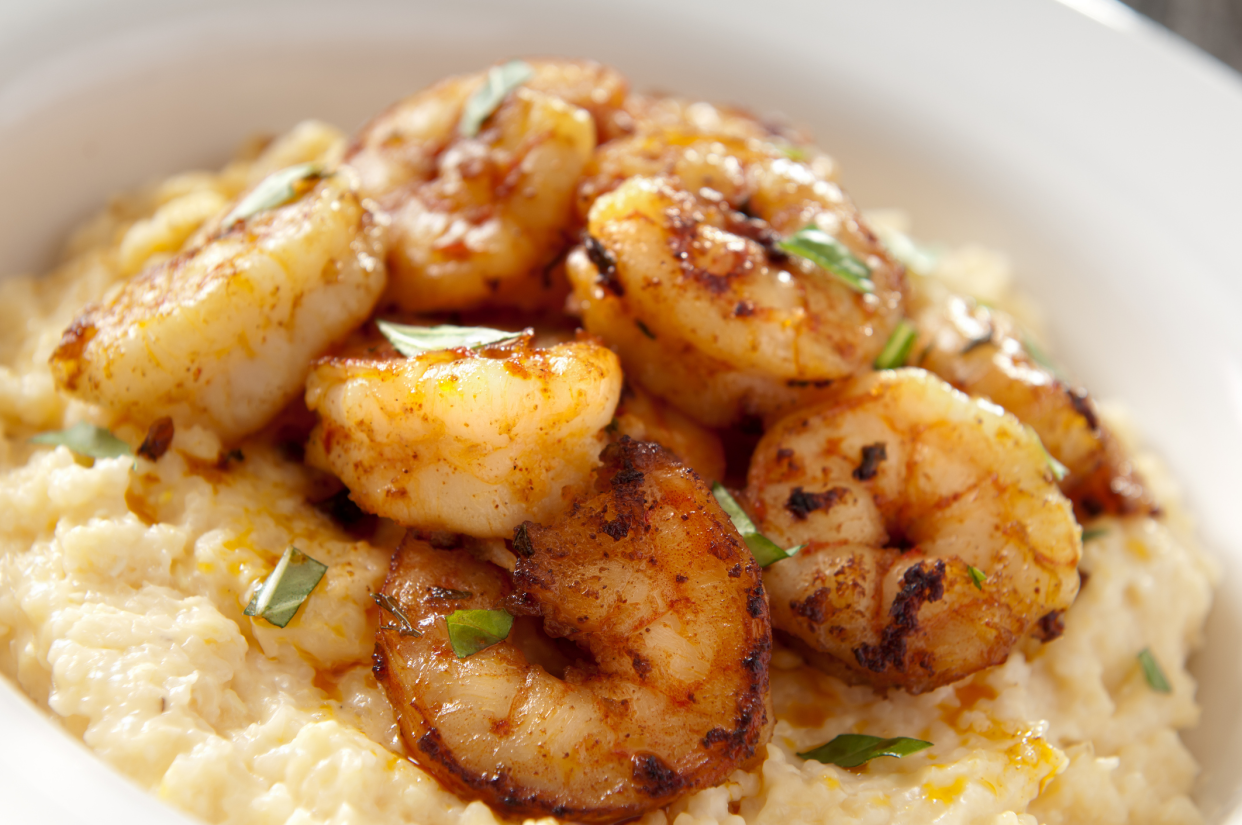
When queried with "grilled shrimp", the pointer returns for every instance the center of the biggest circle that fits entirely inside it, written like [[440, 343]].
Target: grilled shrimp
[[481, 219], [647, 578], [471, 441], [702, 307], [981, 352], [906, 492], [643, 417], [223, 335]]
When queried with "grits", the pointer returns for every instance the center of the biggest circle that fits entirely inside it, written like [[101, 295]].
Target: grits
[[123, 584]]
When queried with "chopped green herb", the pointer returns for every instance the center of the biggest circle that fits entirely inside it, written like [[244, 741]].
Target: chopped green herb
[[849, 750], [977, 576], [761, 547], [501, 80], [473, 630], [283, 592], [404, 626], [897, 350], [1151, 670], [86, 440], [275, 190], [793, 152], [645, 330], [1059, 470], [414, 341], [1094, 533], [825, 251]]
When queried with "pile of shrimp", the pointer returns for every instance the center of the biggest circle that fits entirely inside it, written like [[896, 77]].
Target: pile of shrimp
[[629, 337]]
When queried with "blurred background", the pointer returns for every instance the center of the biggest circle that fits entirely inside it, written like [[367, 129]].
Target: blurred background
[[1213, 25]]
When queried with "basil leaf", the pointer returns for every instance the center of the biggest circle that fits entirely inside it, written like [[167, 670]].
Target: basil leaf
[[1093, 533], [825, 251], [977, 576], [898, 347], [404, 626], [275, 190], [761, 547], [501, 80], [86, 440], [288, 585], [1152, 672], [414, 341], [473, 630], [849, 750]]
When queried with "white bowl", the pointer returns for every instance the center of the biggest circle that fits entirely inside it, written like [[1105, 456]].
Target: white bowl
[[1100, 153]]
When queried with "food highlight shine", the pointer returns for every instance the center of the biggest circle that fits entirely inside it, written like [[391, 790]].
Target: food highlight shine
[[550, 449]]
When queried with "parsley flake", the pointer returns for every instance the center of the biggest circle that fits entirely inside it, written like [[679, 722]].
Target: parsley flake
[[275, 190], [897, 350]]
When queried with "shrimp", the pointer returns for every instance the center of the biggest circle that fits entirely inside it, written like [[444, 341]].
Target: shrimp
[[648, 578], [643, 417], [905, 492], [981, 352], [223, 335], [471, 441], [482, 219], [708, 314]]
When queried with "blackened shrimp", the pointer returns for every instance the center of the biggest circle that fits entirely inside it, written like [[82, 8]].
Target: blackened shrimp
[[982, 352], [224, 334], [646, 577], [708, 313], [481, 218], [468, 440], [936, 535]]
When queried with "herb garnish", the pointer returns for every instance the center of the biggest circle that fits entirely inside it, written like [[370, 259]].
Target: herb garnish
[[761, 547], [1153, 673], [414, 341], [1059, 470], [898, 347], [473, 630], [275, 190], [289, 584], [825, 251], [977, 576], [501, 80], [849, 750], [1093, 533], [86, 440], [404, 626]]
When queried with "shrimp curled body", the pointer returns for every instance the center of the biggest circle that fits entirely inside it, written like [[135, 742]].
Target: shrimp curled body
[[936, 536], [224, 334], [647, 577], [469, 441], [479, 218]]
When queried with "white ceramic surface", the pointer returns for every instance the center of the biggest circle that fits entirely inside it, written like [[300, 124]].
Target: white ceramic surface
[[1100, 153]]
